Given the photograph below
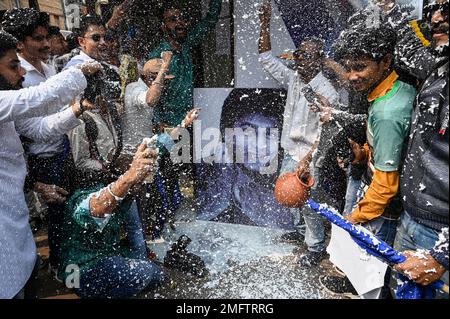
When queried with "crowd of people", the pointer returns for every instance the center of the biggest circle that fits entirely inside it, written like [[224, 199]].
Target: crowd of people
[[77, 114]]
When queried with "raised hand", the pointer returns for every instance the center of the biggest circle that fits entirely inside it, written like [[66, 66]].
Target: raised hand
[[191, 116], [119, 13], [166, 59]]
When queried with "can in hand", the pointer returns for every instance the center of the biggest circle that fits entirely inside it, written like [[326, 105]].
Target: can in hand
[[152, 144]]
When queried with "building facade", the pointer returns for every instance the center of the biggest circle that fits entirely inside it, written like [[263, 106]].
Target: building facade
[[53, 7]]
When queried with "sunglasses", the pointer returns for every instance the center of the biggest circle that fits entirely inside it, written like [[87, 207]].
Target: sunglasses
[[431, 9]]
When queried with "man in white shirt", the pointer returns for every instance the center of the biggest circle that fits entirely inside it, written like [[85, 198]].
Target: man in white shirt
[[95, 142], [91, 38], [17, 247], [49, 163], [140, 98], [302, 124]]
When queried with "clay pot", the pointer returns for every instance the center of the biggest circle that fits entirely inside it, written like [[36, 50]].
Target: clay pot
[[293, 191]]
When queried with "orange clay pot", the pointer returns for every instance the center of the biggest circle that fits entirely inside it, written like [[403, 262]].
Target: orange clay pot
[[293, 191]]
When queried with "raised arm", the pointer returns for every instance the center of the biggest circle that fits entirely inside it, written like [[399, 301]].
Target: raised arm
[[411, 55], [264, 19], [155, 90], [45, 128], [275, 67], [201, 30], [46, 98]]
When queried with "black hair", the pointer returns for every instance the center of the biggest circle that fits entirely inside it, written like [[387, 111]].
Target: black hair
[[7, 43], [52, 31], [22, 22], [87, 21], [171, 5], [360, 41], [241, 102], [72, 41], [320, 43]]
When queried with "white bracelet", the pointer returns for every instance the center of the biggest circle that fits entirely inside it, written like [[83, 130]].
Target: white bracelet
[[117, 198]]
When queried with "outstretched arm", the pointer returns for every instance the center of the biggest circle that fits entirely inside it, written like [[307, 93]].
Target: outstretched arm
[[46, 128], [106, 200], [43, 99], [202, 29], [46, 98]]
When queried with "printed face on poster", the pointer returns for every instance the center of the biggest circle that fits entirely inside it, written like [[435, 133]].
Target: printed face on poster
[[241, 157]]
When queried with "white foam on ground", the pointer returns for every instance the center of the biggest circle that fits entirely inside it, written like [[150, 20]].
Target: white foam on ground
[[244, 261]]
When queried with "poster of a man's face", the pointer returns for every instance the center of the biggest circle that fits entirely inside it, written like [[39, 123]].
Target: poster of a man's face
[[238, 186]]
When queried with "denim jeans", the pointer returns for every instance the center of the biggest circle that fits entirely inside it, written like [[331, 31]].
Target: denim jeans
[[135, 233], [382, 227], [119, 277], [351, 196], [315, 232], [53, 171], [413, 236]]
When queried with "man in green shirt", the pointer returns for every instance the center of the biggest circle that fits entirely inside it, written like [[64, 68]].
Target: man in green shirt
[[94, 260], [367, 59], [366, 53], [178, 97]]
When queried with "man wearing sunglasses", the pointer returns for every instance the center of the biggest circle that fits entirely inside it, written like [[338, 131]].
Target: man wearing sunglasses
[[92, 152], [424, 182], [91, 38]]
